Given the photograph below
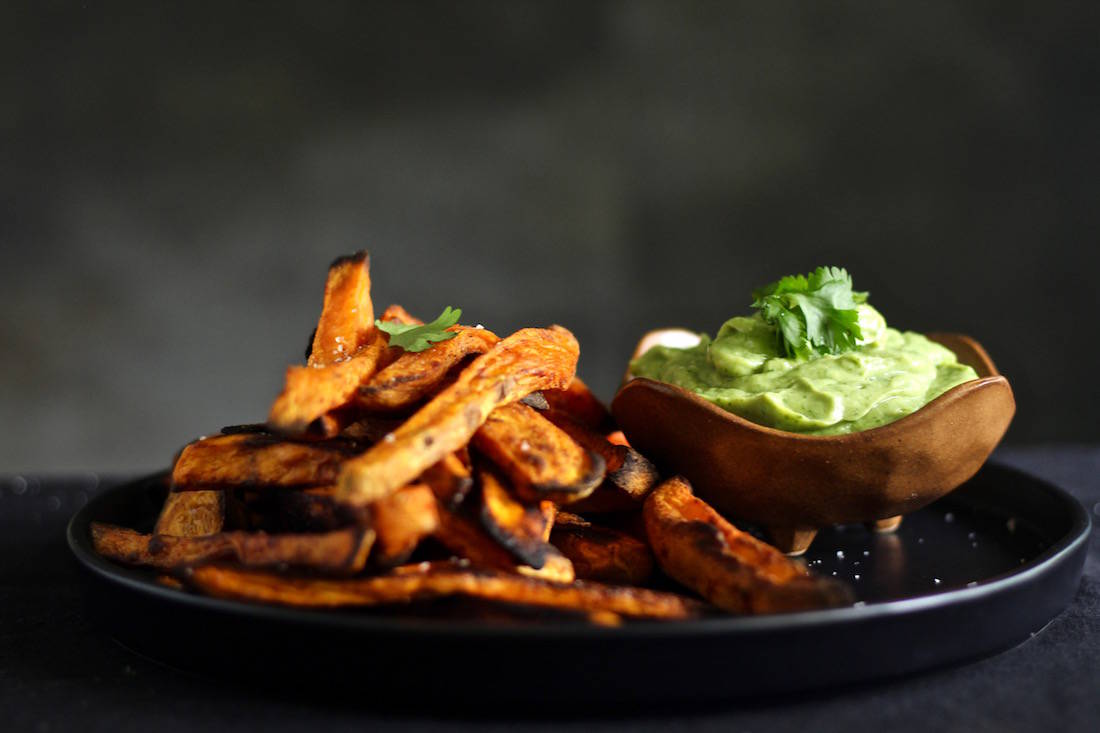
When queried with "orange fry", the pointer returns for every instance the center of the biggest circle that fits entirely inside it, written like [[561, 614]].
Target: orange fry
[[520, 529], [341, 551], [732, 569], [437, 580], [628, 471], [346, 350], [400, 521], [247, 459], [579, 403], [530, 359], [191, 513], [601, 553], [347, 316], [467, 539], [449, 480], [541, 460], [311, 392], [395, 312], [413, 376]]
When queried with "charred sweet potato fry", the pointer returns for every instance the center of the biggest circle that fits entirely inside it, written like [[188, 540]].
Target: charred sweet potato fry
[[310, 510], [536, 400], [342, 551], [438, 581], [192, 513], [449, 480], [369, 429], [414, 376], [628, 471], [555, 568], [730, 568], [346, 351], [579, 403], [540, 459], [601, 553], [518, 528], [528, 360], [311, 392], [347, 315], [256, 459], [400, 521], [467, 539]]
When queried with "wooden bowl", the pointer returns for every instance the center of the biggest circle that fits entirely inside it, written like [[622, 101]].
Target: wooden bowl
[[793, 484]]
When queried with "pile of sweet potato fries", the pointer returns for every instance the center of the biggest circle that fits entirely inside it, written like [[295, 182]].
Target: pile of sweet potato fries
[[480, 468]]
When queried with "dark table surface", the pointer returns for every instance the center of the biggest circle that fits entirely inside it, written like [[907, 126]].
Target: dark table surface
[[58, 672]]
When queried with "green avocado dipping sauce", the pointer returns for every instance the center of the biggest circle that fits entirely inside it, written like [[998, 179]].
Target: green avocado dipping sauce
[[814, 359]]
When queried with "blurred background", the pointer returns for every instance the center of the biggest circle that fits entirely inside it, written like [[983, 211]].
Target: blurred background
[[177, 177]]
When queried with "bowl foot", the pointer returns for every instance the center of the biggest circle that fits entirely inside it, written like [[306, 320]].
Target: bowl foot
[[885, 525], [792, 540]]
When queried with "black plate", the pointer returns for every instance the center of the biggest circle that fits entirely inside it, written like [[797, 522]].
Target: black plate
[[974, 573]]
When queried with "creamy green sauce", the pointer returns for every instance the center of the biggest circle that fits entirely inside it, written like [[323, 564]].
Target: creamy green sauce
[[890, 375]]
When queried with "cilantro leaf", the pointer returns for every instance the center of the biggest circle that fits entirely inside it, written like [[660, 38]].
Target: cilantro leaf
[[418, 338], [812, 314]]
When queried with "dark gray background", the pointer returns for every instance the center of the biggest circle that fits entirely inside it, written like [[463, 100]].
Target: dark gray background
[[176, 178]]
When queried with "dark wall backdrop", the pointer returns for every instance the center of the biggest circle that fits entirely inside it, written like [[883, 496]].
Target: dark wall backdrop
[[176, 177]]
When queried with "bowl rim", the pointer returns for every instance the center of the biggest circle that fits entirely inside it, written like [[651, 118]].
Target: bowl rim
[[952, 395]]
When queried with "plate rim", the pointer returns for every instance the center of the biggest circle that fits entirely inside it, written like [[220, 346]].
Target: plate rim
[[1057, 552]]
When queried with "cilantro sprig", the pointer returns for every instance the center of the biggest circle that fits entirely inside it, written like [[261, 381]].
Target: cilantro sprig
[[418, 338], [812, 314]]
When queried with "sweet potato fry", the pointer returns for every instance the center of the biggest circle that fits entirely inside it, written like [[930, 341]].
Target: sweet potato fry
[[517, 528], [730, 568], [601, 553], [256, 459], [449, 480], [466, 538], [628, 471], [549, 511], [414, 376], [495, 613], [438, 581], [395, 312], [347, 315], [344, 417], [310, 510], [346, 351], [617, 437], [369, 429], [192, 513], [556, 568], [579, 403], [400, 521], [528, 360], [342, 551], [536, 400], [540, 459], [311, 392]]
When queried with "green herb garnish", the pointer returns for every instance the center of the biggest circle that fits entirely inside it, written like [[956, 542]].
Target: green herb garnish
[[814, 313], [418, 338]]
